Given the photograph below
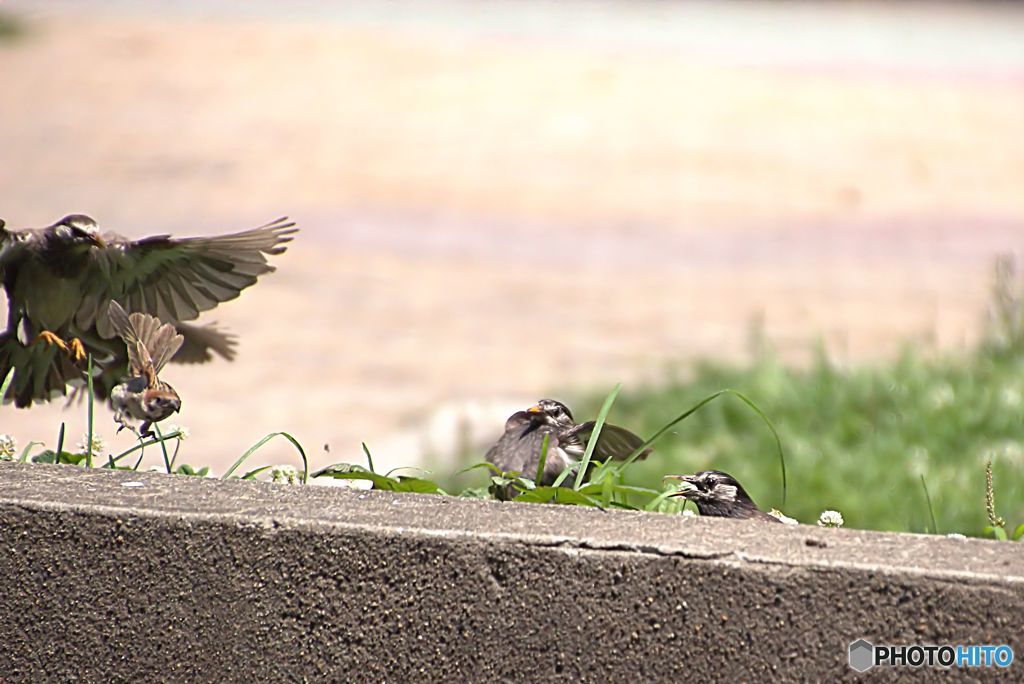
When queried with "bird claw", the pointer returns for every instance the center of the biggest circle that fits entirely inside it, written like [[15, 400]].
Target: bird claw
[[74, 348], [51, 339]]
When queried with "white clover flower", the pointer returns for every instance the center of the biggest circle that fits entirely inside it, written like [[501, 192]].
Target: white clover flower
[[285, 474], [1011, 397], [830, 519], [98, 445], [183, 432], [956, 535], [7, 448], [941, 396], [782, 517]]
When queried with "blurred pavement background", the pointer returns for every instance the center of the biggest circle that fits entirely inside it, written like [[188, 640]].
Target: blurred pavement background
[[501, 201]]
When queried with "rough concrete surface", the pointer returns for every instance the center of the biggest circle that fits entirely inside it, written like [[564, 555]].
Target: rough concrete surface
[[144, 577]]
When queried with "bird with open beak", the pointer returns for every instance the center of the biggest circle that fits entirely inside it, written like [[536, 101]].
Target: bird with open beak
[[59, 280], [519, 447], [719, 495], [143, 396]]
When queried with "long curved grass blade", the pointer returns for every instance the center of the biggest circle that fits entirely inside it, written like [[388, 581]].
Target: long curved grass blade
[[495, 470], [256, 471], [595, 435], [24, 452], [251, 450], [422, 471], [112, 461], [707, 400]]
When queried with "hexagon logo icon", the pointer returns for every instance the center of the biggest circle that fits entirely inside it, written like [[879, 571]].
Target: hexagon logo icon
[[862, 655]]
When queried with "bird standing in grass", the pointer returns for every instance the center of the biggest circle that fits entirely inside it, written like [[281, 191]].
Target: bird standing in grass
[[519, 448], [719, 495], [150, 345], [59, 279]]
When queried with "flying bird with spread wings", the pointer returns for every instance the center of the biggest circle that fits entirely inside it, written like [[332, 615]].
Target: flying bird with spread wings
[[143, 396], [59, 280]]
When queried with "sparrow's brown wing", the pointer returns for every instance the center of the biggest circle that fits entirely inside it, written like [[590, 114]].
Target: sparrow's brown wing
[[614, 442], [176, 279], [150, 343], [125, 329], [161, 341]]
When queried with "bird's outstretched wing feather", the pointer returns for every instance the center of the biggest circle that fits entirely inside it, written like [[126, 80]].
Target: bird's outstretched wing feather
[[203, 341], [176, 279], [614, 442]]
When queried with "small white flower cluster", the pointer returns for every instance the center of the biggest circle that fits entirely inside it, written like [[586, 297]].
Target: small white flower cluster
[[956, 535], [782, 517], [941, 396], [284, 474], [830, 519], [183, 432], [98, 445], [7, 448]]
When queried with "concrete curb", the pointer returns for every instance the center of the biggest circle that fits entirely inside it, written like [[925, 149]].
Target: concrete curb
[[112, 576]]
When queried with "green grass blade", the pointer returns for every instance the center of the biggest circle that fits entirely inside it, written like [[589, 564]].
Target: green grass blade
[[543, 457], [696, 407], [595, 435], [89, 426], [251, 450], [931, 511], [563, 476], [24, 452], [112, 461], [369, 457], [254, 472], [163, 448], [177, 446], [7, 384], [654, 503], [482, 465], [60, 444]]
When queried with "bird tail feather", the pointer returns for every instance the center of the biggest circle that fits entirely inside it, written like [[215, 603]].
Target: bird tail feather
[[150, 343]]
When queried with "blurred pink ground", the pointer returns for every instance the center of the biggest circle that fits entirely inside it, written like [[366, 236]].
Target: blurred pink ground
[[493, 211]]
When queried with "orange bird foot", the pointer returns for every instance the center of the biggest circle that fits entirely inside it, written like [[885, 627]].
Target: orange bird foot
[[74, 347]]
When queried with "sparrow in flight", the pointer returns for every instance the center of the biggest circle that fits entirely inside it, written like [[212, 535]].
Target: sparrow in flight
[[59, 279], [143, 396], [519, 448], [718, 494]]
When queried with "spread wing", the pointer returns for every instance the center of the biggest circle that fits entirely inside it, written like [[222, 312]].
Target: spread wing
[[176, 279], [614, 443], [202, 342]]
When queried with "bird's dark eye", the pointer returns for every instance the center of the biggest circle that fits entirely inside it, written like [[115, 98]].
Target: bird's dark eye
[[711, 481]]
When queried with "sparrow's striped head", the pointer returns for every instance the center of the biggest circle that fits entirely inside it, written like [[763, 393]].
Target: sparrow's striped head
[[552, 412]]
